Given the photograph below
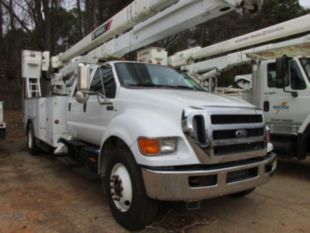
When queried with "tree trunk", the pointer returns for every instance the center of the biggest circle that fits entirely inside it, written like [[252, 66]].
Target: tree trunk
[[101, 8], [47, 26], [1, 24], [89, 6], [11, 12], [79, 18]]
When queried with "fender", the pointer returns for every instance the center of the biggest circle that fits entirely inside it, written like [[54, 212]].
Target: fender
[[304, 125], [139, 123]]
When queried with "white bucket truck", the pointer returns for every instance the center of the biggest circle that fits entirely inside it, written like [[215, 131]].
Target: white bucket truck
[[284, 103], [148, 130]]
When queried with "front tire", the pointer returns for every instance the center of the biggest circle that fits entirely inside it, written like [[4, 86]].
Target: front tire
[[127, 197], [31, 141]]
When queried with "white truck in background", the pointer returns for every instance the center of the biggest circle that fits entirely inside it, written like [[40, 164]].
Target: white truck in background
[[148, 130], [2, 123], [284, 102]]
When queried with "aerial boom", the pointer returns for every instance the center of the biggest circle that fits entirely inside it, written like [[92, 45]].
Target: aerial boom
[[149, 21], [134, 13], [292, 27], [293, 47], [180, 16], [140, 24]]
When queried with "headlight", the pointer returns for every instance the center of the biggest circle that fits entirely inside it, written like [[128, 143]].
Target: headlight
[[157, 146]]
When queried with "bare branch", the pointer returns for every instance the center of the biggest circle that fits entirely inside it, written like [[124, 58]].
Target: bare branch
[[20, 21]]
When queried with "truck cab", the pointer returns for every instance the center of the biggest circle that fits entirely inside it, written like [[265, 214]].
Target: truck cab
[[284, 105], [174, 130]]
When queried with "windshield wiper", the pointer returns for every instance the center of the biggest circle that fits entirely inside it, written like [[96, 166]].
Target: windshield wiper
[[160, 86], [143, 85], [184, 87]]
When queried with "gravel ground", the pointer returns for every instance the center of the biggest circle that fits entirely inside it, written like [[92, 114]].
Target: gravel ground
[[41, 194]]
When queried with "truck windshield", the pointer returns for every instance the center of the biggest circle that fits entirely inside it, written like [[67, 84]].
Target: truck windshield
[[153, 76], [306, 65]]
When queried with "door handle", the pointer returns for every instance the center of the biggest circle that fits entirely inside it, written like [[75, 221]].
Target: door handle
[[84, 107], [110, 108], [266, 106], [69, 107]]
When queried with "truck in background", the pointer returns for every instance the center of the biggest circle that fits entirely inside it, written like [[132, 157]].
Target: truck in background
[[284, 102], [147, 130], [2, 123]]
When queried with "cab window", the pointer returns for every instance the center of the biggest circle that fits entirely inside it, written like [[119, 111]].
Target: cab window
[[296, 79], [104, 82], [271, 75], [293, 77]]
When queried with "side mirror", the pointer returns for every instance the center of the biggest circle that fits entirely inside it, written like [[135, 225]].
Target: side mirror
[[282, 65], [83, 83]]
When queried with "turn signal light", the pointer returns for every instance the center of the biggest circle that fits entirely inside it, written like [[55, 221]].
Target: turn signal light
[[149, 146]]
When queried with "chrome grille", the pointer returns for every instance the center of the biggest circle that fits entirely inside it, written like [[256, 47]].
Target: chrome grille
[[238, 148], [200, 129], [237, 133], [236, 119], [227, 134], [232, 133]]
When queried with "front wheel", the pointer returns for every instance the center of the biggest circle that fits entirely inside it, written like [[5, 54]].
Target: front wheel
[[127, 197]]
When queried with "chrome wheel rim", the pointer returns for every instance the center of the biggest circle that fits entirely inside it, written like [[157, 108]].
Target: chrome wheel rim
[[121, 187]]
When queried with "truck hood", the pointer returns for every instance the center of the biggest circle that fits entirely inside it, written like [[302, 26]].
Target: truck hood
[[181, 98]]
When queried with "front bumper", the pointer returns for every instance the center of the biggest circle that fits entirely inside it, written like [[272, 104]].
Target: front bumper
[[2, 133], [195, 185]]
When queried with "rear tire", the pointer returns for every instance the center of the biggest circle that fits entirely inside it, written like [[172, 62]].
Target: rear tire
[[31, 141], [242, 193], [127, 197]]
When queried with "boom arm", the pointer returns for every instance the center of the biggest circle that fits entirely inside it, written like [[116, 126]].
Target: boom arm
[[294, 47], [134, 13], [165, 18], [282, 30], [179, 16]]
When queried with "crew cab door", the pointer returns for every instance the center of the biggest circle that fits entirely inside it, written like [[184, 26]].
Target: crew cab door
[[284, 113], [92, 118]]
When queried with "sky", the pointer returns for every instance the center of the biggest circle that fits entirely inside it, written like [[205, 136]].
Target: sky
[[305, 3]]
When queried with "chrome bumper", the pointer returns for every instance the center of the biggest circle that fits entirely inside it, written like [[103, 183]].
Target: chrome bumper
[[177, 186]]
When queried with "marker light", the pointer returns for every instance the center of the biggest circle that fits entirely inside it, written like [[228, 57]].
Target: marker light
[[149, 146], [157, 146]]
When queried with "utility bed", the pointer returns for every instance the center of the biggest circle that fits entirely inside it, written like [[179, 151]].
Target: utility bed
[[48, 115]]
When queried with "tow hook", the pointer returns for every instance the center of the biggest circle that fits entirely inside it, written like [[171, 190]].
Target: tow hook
[[193, 205]]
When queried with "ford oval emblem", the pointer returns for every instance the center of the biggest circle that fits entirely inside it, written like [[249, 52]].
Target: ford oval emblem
[[241, 133]]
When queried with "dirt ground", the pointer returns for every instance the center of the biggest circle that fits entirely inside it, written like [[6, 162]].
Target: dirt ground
[[41, 194]]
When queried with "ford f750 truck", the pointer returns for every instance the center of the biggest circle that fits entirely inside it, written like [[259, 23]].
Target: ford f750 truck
[[153, 134], [149, 131]]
